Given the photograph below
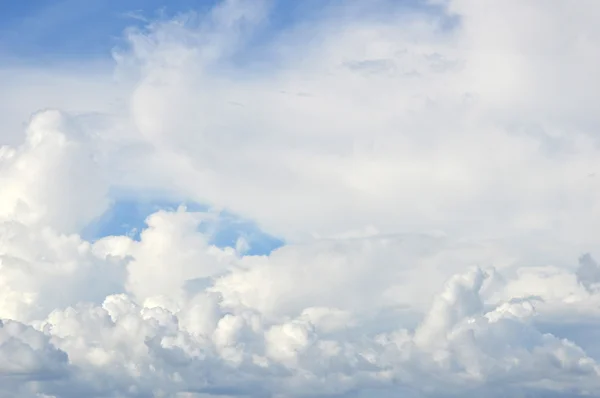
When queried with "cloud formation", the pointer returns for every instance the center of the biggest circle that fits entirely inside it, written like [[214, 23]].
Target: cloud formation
[[431, 170]]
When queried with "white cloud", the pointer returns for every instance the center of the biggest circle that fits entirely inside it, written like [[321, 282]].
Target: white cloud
[[435, 186], [53, 178], [401, 126], [224, 339]]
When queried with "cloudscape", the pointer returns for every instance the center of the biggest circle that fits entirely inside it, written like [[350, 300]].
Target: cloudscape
[[271, 198]]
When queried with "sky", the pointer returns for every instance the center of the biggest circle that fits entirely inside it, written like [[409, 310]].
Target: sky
[[43, 29], [265, 198]]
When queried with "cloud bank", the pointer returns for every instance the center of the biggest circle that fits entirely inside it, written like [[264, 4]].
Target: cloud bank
[[431, 170]]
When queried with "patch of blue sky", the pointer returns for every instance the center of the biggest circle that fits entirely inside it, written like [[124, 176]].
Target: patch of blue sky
[[127, 217], [37, 30]]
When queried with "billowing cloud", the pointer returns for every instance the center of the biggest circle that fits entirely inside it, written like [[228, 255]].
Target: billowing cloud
[[53, 178], [431, 170]]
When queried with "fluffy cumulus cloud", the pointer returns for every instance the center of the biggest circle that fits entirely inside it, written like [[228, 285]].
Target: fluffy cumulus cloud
[[430, 167]]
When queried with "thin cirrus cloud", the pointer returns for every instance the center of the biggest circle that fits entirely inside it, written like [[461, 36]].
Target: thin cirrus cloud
[[428, 172]]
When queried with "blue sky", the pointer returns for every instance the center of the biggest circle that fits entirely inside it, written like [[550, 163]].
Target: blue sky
[[127, 217], [72, 28]]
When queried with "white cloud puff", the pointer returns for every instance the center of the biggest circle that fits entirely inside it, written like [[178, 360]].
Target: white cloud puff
[[52, 179], [431, 170]]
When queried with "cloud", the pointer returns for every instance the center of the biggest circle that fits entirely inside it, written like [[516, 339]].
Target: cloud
[[54, 160], [430, 180], [444, 134], [148, 338]]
